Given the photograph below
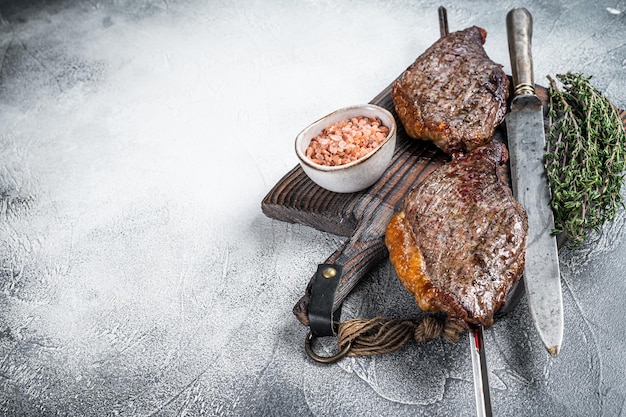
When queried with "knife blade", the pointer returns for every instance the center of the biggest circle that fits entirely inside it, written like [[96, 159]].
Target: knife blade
[[526, 138]]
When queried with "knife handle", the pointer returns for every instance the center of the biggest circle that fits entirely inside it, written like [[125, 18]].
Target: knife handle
[[519, 28]]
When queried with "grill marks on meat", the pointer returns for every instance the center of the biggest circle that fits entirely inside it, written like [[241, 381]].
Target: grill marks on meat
[[453, 94], [458, 244]]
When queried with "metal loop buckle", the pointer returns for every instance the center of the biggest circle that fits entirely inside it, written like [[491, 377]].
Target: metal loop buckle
[[323, 359]]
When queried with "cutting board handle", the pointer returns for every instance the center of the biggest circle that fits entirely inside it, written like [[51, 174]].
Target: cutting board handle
[[357, 256]]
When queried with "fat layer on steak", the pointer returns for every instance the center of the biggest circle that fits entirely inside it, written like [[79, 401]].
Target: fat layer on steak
[[459, 242], [453, 94]]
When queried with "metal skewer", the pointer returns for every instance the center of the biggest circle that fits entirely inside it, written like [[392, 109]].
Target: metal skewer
[[477, 347], [479, 369]]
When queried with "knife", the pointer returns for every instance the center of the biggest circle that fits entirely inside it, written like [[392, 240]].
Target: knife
[[526, 138]]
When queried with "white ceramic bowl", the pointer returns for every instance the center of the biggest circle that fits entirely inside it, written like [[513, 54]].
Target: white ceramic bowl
[[356, 175]]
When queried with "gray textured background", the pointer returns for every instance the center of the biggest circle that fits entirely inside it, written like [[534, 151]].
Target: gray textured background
[[138, 275]]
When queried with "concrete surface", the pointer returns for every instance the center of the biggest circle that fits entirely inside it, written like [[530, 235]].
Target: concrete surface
[[138, 275]]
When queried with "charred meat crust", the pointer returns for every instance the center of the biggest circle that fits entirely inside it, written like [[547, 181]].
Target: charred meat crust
[[453, 94], [459, 242]]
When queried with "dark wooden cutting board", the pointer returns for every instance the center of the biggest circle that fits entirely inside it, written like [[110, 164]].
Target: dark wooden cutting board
[[361, 217]]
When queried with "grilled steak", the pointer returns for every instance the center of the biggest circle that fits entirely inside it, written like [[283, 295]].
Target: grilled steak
[[459, 242], [453, 94]]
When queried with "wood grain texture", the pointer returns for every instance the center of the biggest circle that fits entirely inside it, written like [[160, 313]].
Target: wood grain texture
[[362, 216]]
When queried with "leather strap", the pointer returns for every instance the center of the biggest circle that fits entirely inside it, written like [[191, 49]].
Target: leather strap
[[323, 288]]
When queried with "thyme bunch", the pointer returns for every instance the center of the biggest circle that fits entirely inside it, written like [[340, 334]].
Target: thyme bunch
[[585, 157]]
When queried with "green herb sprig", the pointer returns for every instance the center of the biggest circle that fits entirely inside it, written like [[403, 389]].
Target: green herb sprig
[[585, 157]]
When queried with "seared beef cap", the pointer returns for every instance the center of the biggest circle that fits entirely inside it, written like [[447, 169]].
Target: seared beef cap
[[459, 242], [453, 94]]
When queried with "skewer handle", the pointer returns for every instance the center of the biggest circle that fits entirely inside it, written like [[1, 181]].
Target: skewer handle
[[443, 21]]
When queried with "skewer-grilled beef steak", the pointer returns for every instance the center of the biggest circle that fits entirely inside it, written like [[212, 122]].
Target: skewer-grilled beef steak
[[453, 94], [459, 242]]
